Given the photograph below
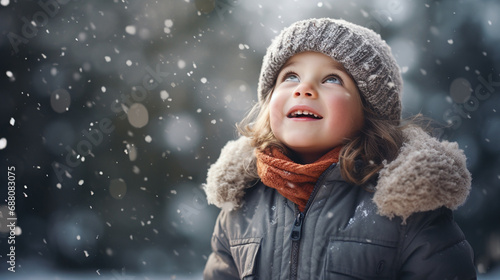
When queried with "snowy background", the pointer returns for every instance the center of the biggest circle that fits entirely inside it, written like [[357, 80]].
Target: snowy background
[[112, 111]]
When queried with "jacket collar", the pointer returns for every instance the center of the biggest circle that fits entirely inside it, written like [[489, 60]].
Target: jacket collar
[[426, 175]]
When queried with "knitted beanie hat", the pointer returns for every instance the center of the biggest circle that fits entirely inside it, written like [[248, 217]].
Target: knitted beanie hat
[[361, 51]]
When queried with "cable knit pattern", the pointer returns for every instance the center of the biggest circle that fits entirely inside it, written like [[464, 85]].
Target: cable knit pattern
[[426, 175], [361, 51]]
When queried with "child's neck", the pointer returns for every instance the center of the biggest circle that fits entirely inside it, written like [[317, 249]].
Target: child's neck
[[306, 158]]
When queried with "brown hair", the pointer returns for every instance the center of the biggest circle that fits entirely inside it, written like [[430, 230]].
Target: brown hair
[[361, 157]]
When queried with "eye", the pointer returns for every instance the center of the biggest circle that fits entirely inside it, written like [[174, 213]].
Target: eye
[[291, 77], [333, 79]]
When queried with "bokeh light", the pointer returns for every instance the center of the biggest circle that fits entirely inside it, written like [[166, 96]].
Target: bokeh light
[[117, 188]]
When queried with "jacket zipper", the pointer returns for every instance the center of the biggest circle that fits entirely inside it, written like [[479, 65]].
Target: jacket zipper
[[296, 233]]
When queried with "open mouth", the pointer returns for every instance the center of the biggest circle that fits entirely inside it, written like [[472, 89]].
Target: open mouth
[[304, 114]]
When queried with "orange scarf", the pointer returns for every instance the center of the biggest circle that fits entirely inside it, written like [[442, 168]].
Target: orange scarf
[[292, 180]]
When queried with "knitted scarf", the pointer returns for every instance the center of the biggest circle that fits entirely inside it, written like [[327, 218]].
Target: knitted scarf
[[292, 180]]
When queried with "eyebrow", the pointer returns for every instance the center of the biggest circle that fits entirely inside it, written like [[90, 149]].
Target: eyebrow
[[337, 65], [287, 64]]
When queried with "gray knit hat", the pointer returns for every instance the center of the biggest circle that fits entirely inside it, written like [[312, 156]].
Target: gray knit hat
[[361, 51]]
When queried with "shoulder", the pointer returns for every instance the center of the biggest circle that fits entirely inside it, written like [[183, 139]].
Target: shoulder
[[434, 246], [436, 226], [426, 175], [232, 173]]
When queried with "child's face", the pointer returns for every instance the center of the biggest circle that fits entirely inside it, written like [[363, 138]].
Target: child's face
[[315, 105]]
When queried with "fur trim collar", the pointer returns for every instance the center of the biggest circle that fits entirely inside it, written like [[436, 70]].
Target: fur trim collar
[[426, 175]]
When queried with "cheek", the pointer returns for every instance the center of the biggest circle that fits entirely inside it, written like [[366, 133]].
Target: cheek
[[357, 114], [274, 120], [275, 111], [346, 112], [339, 105]]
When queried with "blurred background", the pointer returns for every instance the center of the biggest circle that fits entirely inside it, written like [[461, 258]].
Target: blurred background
[[112, 111]]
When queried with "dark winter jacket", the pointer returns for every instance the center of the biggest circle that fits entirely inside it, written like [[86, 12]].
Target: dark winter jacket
[[402, 229]]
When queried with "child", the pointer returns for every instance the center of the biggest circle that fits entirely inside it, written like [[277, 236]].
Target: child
[[325, 182]]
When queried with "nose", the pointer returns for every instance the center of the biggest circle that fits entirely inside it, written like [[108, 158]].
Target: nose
[[305, 89]]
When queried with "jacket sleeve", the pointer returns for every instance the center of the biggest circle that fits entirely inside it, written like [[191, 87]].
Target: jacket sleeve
[[434, 247], [220, 264]]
